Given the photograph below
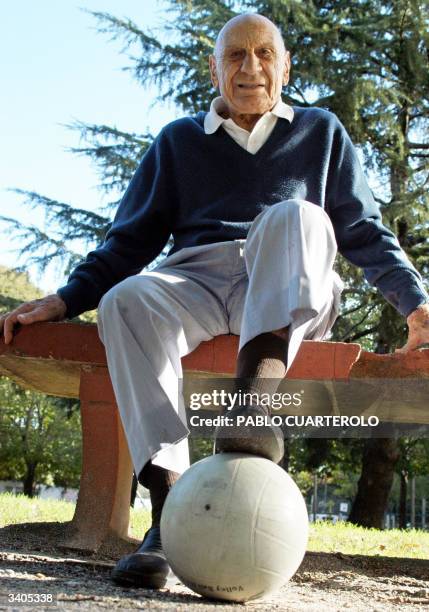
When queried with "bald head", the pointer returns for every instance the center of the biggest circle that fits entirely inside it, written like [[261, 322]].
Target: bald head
[[246, 21], [249, 66]]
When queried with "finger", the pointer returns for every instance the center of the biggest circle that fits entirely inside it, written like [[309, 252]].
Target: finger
[[11, 319], [9, 324], [411, 345], [420, 343], [37, 314], [5, 315]]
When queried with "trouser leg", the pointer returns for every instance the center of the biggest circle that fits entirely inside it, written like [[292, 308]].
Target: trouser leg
[[289, 255], [147, 323], [150, 321]]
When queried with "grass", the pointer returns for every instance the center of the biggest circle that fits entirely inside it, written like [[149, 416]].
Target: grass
[[351, 540], [324, 537], [21, 509]]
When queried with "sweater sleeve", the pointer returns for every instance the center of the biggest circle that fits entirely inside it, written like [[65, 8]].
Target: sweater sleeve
[[140, 230], [361, 236]]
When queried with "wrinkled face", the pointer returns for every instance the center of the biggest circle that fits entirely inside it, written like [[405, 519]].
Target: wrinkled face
[[250, 65]]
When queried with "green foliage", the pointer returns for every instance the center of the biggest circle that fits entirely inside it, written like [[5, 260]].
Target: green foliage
[[15, 288], [37, 430], [38, 434], [414, 460], [67, 226], [178, 69], [324, 455], [115, 153], [199, 448]]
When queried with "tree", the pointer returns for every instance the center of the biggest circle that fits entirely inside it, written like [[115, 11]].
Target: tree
[[40, 437], [414, 461], [15, 288], [39, 441], [364, 60]]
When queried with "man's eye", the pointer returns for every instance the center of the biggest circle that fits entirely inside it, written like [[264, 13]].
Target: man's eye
[[265, 52], [235, 54]]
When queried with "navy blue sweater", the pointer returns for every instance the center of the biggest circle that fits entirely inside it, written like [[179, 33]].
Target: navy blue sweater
[[206, 188]]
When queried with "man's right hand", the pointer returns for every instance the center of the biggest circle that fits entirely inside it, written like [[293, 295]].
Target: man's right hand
[[49, 308]]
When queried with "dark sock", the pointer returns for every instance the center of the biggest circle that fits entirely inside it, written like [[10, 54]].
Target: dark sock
[[159, 481], [261, 364]]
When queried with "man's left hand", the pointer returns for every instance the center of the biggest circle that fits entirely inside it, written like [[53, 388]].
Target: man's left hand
[[418, 329]]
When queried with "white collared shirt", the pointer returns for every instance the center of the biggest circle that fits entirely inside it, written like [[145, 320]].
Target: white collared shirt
[[251, 141]]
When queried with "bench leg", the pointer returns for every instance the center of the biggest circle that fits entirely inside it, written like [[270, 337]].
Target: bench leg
[[103, 504]]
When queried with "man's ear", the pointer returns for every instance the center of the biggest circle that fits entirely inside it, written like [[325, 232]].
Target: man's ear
[[286, 70], [213, 71]]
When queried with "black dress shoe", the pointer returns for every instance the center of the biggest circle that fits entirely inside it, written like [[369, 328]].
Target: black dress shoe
[[147, 567], [265, 440]]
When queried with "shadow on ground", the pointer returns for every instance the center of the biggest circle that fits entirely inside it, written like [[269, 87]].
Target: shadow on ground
[[32, 561]]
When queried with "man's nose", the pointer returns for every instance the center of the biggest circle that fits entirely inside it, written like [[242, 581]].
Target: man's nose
[[251, 63]]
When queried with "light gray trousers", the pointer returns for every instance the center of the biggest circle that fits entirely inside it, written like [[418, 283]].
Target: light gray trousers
[[281, 275]]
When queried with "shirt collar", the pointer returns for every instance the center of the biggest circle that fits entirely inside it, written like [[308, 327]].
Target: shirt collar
[[213, 119]]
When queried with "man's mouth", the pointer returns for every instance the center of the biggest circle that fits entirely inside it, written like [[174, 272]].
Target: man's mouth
[[250, 85]]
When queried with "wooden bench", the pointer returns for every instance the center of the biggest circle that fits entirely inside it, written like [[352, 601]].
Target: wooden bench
[[68, 360]]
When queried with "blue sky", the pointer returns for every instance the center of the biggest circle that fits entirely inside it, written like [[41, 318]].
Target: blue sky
[[55, 69]]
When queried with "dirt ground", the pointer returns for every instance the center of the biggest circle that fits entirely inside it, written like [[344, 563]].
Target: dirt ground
[[30, 562]]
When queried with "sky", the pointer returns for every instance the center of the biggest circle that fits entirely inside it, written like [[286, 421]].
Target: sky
[[55, 69]]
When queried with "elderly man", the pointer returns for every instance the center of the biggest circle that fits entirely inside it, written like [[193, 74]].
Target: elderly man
[[257, 196]]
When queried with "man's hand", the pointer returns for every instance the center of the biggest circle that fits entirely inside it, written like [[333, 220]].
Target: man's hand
[[49, 308], [418, 329]]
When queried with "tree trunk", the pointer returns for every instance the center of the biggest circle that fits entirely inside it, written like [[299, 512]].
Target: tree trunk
[[403, 501], [380, 456], [29, 479], [378, 464]]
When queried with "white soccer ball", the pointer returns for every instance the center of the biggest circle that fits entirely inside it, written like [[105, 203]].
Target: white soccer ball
[[234, 527]]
